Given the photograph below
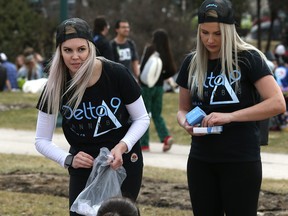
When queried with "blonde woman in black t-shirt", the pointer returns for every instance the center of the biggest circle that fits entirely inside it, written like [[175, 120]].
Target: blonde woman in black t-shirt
[[226, 78], [101, 106]]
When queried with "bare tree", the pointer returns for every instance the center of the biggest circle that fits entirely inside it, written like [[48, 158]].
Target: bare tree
[[274, 7], [259, 24]]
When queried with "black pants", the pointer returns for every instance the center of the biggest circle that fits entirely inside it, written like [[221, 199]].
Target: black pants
[[218, 188], [133, 164]]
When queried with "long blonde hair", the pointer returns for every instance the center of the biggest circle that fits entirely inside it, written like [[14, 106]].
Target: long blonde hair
[[231, 45], [57, 86]]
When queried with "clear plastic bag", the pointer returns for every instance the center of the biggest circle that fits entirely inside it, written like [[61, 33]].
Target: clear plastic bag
[[102, 184]]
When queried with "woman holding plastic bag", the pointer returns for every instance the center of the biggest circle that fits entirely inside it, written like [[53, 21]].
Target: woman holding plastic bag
[[103, 183], [101, 106]]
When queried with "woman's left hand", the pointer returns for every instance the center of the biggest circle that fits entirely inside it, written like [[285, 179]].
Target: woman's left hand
[[117, 153]]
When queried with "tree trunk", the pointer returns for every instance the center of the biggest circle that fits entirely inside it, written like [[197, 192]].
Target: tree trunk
[[273, 14], [259, 24]]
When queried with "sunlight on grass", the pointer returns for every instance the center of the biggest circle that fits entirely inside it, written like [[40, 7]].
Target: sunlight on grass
[[278, 142], [18, 98], [19, 119], [17, 110], [170, 175], [276, 186]]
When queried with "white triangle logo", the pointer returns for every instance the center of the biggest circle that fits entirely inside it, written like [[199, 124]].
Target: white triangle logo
[[105, 113], [220, 81]]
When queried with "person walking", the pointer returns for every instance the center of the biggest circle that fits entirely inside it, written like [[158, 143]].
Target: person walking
[[100, 30], [226, 78], [124, 49], [153, 96], [101, 106]]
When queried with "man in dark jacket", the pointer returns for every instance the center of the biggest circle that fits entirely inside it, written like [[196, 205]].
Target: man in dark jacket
[[100, 30]]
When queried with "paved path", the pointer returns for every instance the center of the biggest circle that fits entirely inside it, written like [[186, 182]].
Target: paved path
[[275, 166]]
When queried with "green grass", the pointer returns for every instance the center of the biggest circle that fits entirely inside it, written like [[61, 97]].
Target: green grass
[[11, 163], [277, 142], [18, 98], [22, 115], [14, 204]]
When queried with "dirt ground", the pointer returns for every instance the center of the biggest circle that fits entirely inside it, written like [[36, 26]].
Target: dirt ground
[[153, 192]]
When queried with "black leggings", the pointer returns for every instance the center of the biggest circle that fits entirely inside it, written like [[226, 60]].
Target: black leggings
[[218, 188], [131, 185]]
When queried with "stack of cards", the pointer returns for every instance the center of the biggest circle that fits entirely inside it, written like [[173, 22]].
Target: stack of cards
[[195, 116], [208, 130]]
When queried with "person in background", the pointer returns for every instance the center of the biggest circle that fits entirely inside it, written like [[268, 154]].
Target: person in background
[[19, 61], [118, 206], [280, 122], [11, 71], [271, 61], [280, 54], [225, 77], [4, 81], [100, 30], [124, 49], [101, 106], [153, 96], [31, 69]]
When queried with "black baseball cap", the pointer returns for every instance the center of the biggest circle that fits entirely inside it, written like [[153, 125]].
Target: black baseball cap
[[223, 9], [73, 28]]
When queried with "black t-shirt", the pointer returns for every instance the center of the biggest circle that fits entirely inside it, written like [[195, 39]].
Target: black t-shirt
[[103, 47], [101, 119], [125, 53], [239, 141]]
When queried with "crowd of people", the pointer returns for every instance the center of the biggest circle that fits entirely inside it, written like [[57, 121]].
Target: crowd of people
[[95, 84], [279, 65]]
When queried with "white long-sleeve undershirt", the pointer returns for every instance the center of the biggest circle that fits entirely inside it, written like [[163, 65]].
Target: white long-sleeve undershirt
[[140, 122]]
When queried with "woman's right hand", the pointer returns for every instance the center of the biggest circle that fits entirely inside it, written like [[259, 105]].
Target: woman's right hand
[[82, 160]]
